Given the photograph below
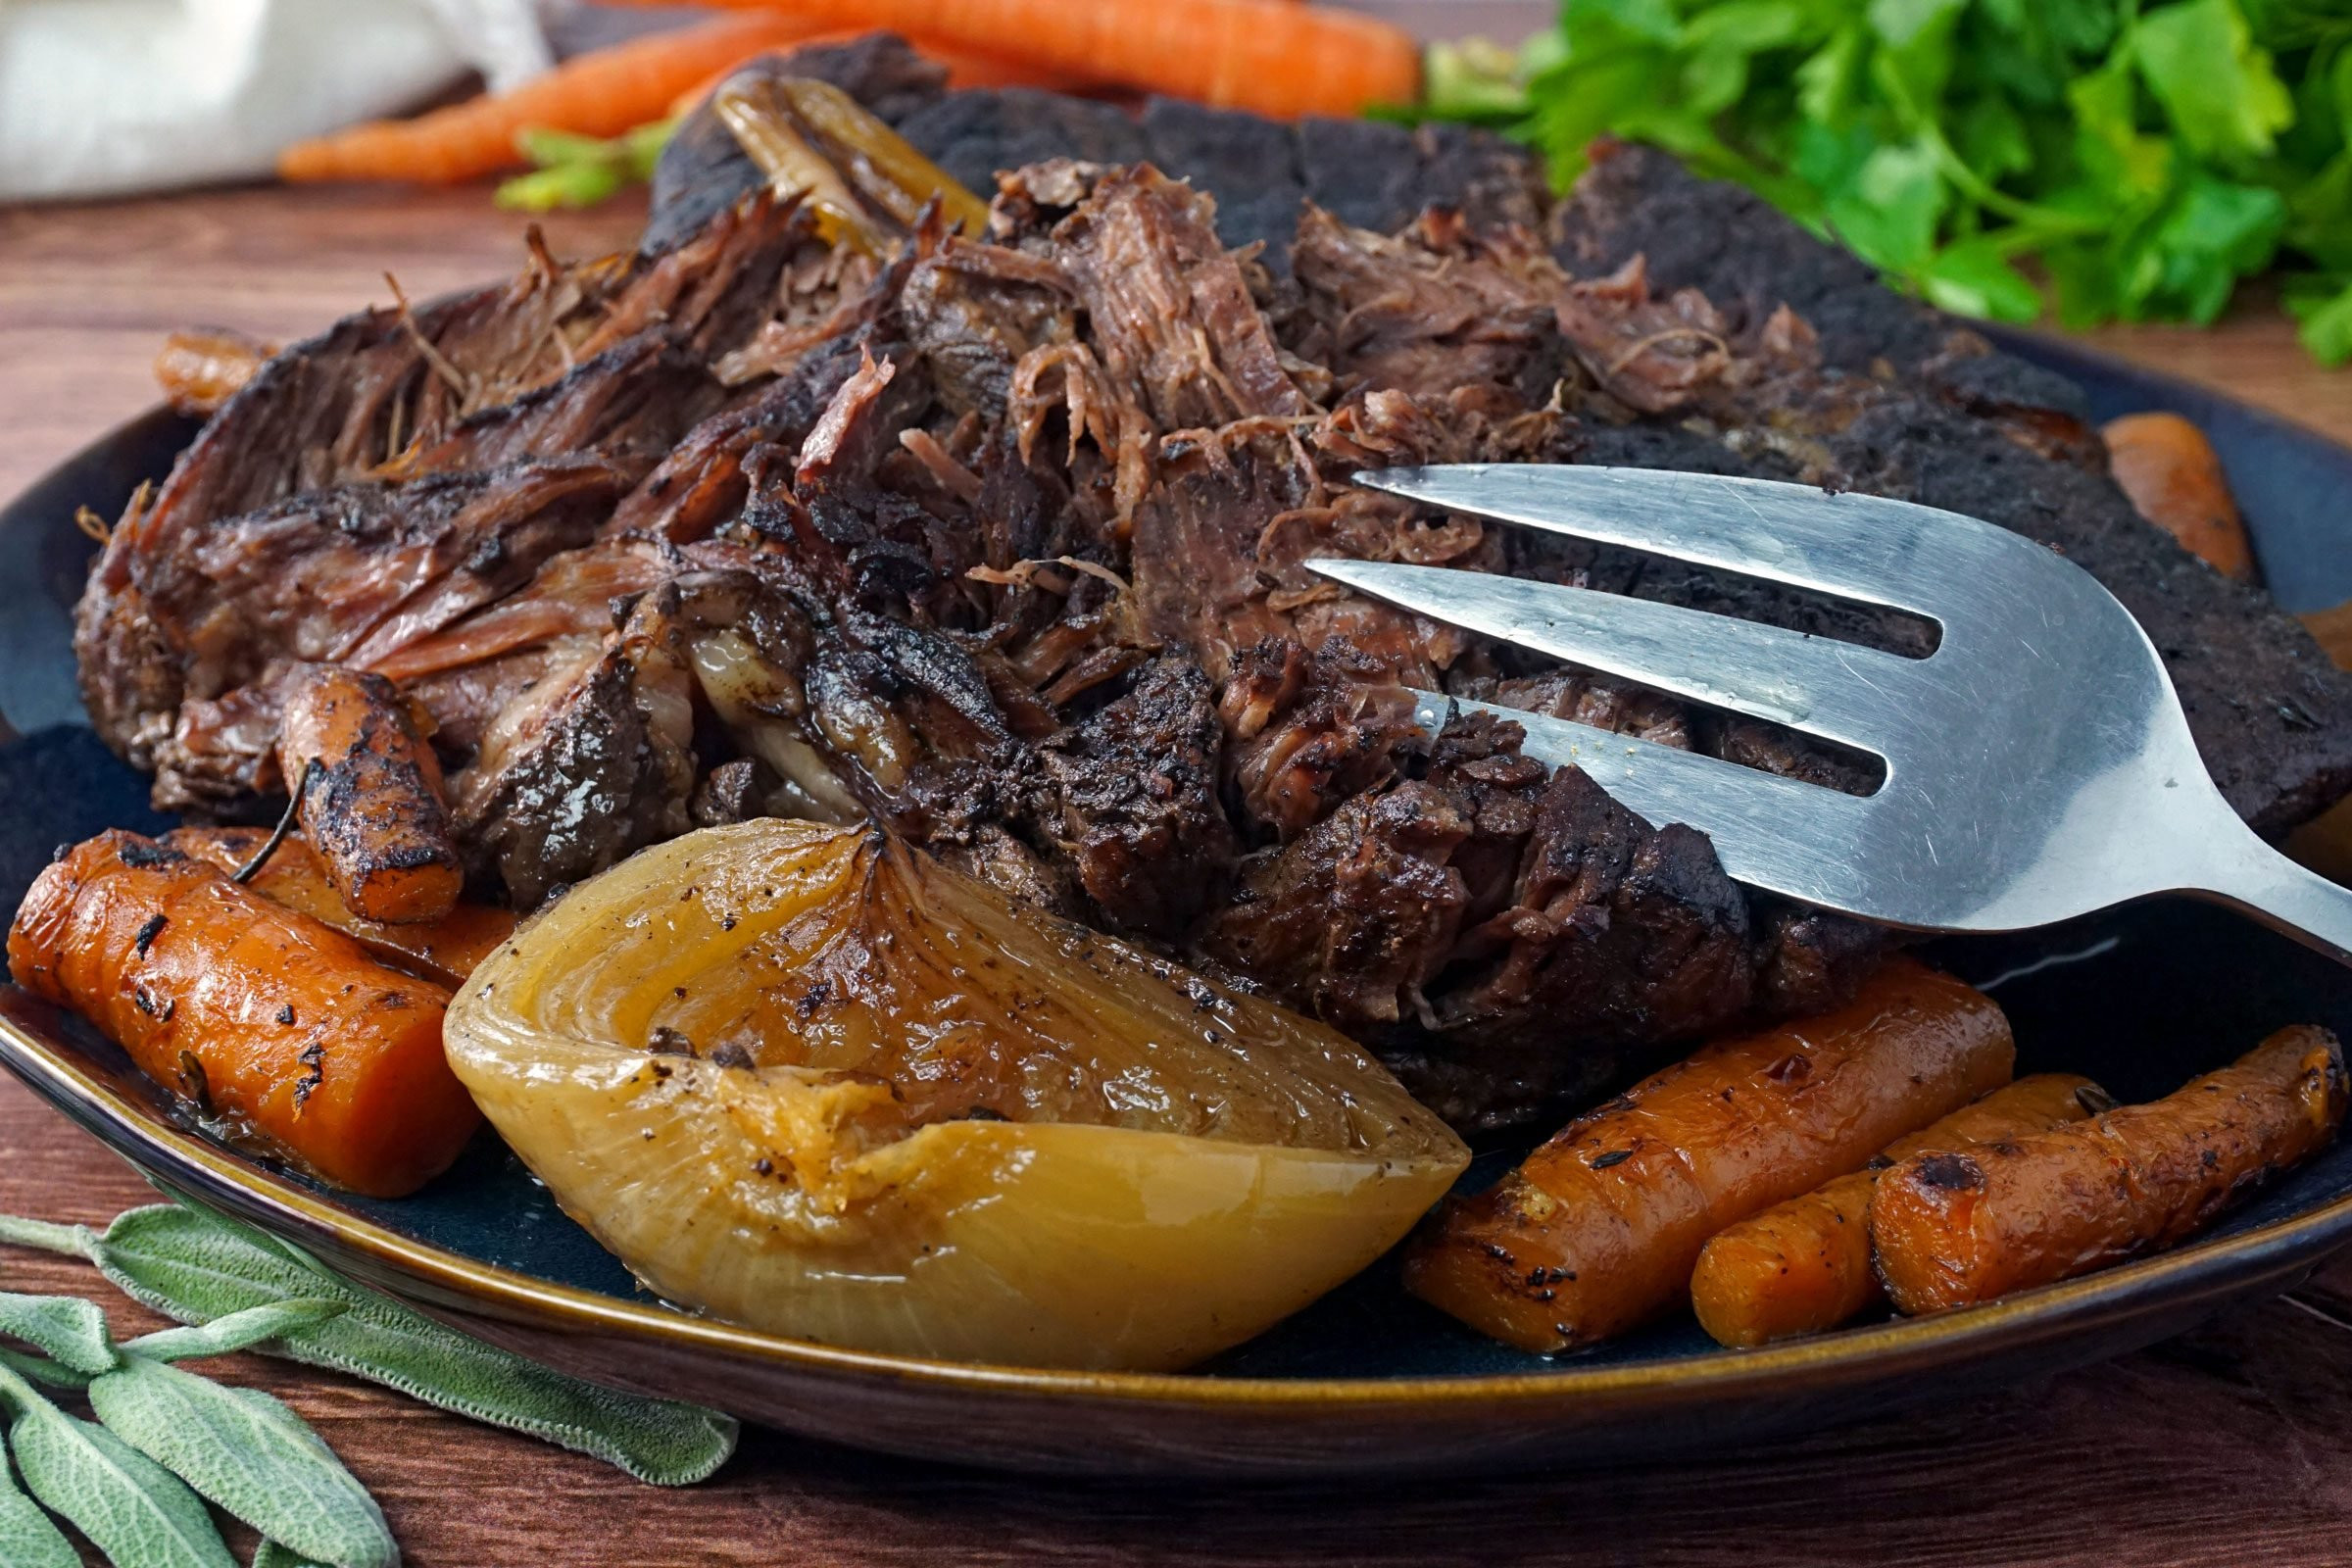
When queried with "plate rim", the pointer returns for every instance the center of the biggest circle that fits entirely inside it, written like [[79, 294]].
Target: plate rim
[[2180, 1278], [178, 1157]]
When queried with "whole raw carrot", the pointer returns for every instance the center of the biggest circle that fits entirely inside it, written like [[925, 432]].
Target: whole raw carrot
[[1272, 57], [1955, 1228], [266, 1019], [1804, 1266], [444, 950], [1598, 1229], [368, 790], [601, 94]]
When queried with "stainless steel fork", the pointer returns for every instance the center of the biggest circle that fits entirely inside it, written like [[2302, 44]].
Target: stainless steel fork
[[2039, 766]]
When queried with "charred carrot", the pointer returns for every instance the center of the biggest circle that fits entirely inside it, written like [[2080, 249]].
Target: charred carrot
[[1954, 1228], [2174, 478], [369, 790], [265, 1018], [602, 93], [444, 950], [1804, 1266], [1272, 57], [1598, 1229]]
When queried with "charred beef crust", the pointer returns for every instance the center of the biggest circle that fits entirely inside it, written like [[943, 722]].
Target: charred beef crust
[[1127, 798], [1370, 175], [2271, 717]]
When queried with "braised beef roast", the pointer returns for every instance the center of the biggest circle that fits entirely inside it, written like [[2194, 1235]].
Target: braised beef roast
[[999, 541]]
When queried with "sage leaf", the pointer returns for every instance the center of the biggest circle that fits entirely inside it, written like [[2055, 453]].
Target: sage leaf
[[274, 1554], [237, 1331], [27, 1538], [71, 1332], [138, 1513], [249, 1453], [40, 1369], [197, 1267]]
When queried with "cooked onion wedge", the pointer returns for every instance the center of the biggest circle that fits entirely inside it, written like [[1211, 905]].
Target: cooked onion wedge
[[811, 1081]]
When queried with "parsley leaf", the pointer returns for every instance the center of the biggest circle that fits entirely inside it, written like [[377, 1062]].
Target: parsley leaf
[[2132, 159]]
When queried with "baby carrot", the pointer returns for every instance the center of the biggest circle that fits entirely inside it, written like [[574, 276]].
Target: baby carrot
[[1957, 1228], [2174, 478], [369, 789], [1804, 1266], [1598, 1231], [444, 950]]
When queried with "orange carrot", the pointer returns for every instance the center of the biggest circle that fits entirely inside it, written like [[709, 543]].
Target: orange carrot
[[2174, 478], [966, 68], [602, 93], [369, 789], [271, 1021], [1273, 57], [444, 950]]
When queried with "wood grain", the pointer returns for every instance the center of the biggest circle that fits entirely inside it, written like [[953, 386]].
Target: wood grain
[[2231, 1445]]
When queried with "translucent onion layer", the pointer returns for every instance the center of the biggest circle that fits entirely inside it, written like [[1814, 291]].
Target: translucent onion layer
[[811, 1081]]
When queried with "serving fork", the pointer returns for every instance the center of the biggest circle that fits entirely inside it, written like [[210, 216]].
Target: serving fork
[[2037, 764]]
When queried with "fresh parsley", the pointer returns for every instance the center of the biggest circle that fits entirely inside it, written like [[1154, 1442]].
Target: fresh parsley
[[2128, 160]]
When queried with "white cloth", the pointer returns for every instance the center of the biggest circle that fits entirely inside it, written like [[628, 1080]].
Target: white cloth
[[102, 97]]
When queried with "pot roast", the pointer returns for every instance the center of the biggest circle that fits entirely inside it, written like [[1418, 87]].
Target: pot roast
[[999, 541]]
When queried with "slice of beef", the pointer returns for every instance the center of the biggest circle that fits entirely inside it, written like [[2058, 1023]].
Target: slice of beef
[[628, 404], [1128, 799], [1474, 920], [593, 761], [329, 575], [704, 481], [1170, 310], [1310, 731]]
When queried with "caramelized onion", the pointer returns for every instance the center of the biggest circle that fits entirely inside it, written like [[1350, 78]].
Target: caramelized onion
[[807, 1079]]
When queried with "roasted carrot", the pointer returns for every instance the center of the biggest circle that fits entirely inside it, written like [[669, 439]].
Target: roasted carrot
[[1272, 57], [1954, 1228], [368, 790], [444, 950], [602, 93], [2174, 478], [201, 368], [270, 1020], [1599, 1230], [1804, 1266]]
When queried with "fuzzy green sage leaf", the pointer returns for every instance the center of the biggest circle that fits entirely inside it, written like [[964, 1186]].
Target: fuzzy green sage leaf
[[138, 1513], [237, 1331], [197, 1267], [250, 1454], [27, 1538], [73, 1332]]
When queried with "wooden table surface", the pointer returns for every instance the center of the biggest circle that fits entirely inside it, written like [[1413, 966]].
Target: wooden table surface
[[2231, 1445]]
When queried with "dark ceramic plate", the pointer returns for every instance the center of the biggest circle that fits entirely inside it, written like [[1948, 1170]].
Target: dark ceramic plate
[[1366, 1380]]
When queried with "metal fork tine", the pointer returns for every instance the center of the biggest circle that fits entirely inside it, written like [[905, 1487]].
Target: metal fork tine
[[1816, 684], [1858, 547], [1769, 831]]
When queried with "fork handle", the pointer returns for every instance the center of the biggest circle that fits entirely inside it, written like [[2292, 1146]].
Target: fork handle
[[2246, 873]]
